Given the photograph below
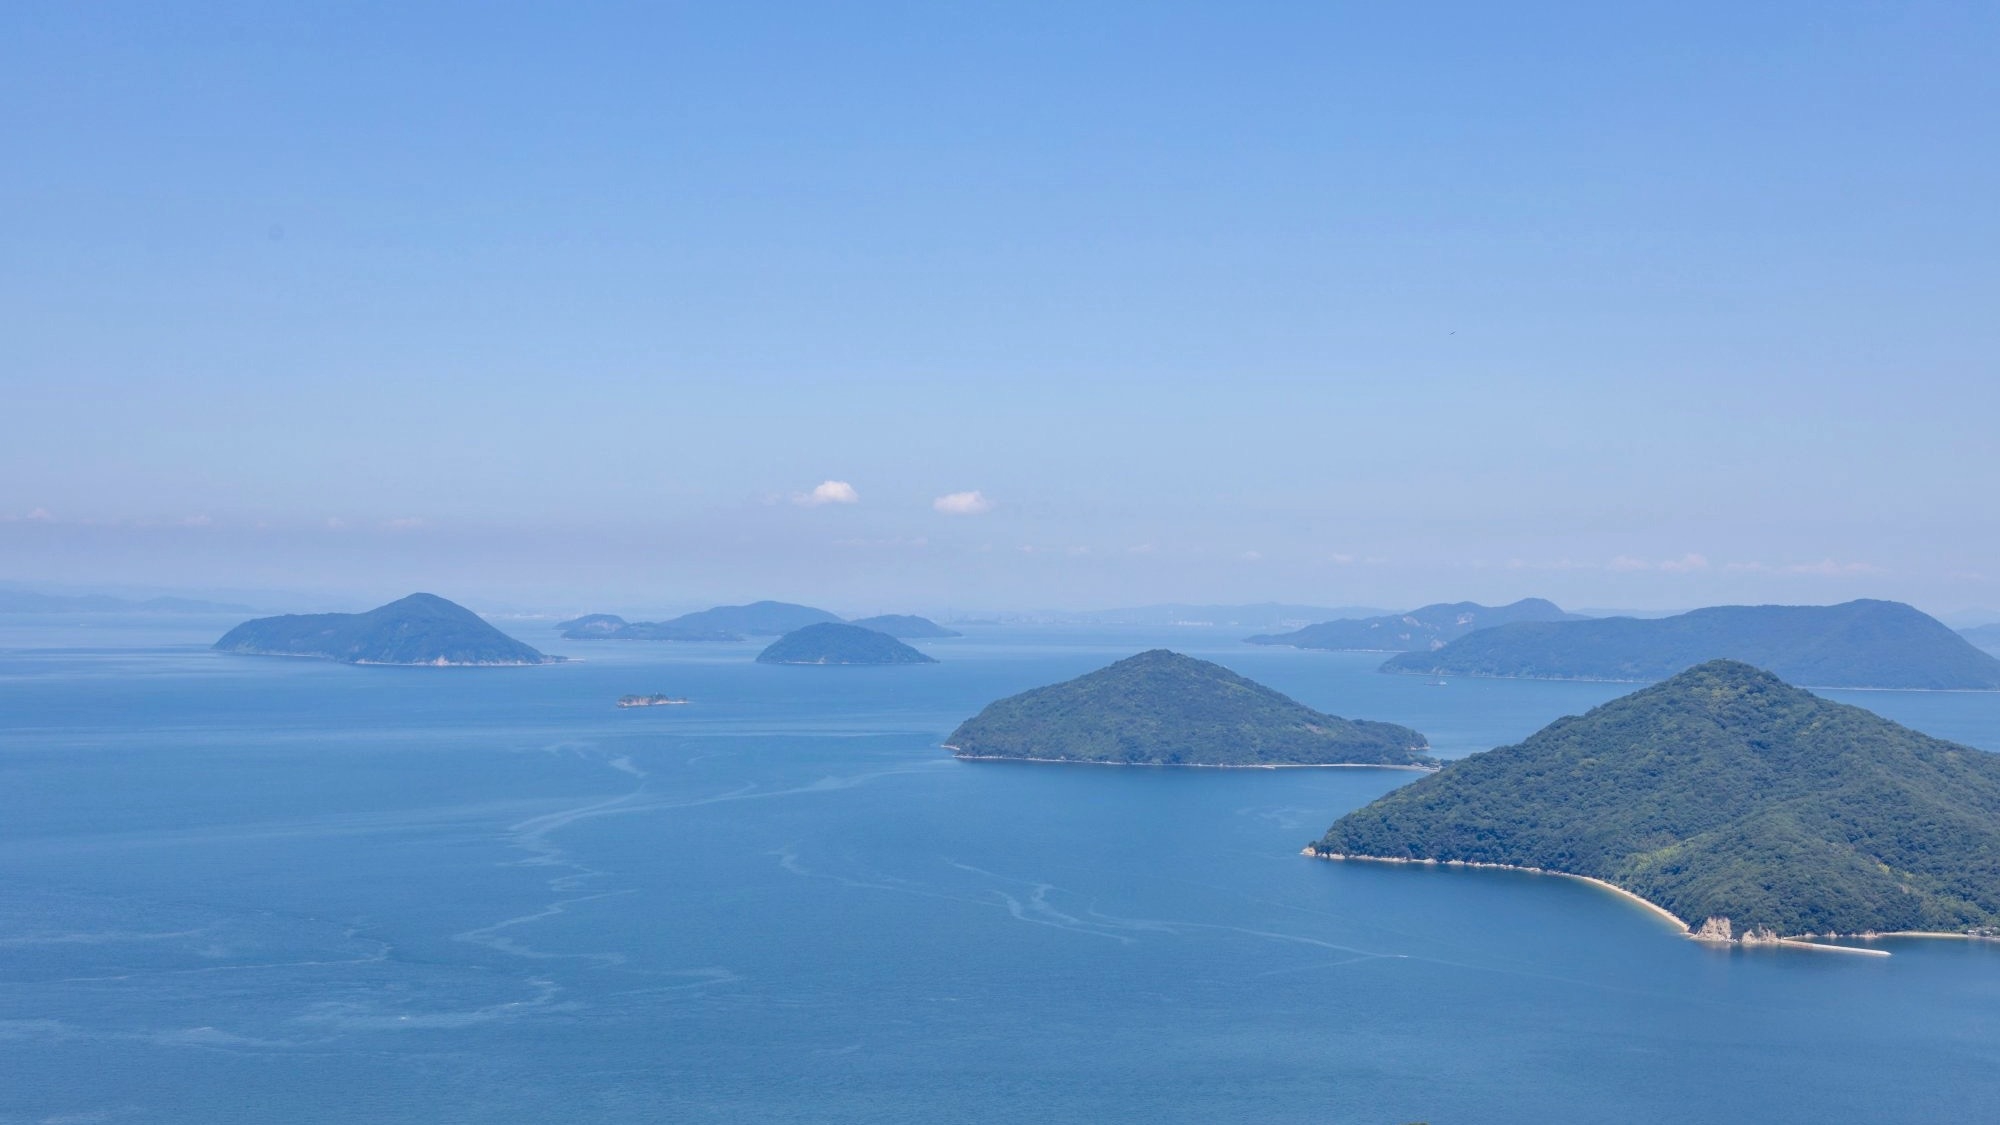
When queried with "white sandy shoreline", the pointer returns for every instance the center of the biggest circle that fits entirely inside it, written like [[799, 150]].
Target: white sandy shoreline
[[1660, 911]]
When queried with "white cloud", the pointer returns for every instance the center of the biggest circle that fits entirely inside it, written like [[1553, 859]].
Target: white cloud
[[828, 492], [197, 521], [41, 515], [1253, 556], [405, 523], [963, 503], [1686, 564], [1832, 567]]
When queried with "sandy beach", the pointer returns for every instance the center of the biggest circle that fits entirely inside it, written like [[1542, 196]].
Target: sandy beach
[[1662, 912]]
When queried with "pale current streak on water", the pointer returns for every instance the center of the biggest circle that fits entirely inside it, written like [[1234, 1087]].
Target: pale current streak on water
[[247, 890]]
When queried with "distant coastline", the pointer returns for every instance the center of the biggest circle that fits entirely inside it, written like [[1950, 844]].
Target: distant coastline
[[550, 663], [1188, 765], [1800, 941], [1607, 680]]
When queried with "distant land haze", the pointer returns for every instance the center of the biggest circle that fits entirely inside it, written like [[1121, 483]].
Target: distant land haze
[[1161, 708], [23, 601], [906, 626], [1735, 801], [736, 623], [722, 623], [1858, 644], [1985, 636], [1429, 627], [422, 629]]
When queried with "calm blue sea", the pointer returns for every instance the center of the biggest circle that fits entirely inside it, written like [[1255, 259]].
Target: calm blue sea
[[236, 889]]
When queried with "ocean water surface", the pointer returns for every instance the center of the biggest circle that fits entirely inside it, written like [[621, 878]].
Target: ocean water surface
[[238, 889]]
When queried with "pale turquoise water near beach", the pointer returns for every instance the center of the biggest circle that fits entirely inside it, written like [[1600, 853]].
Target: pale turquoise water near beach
[[252, 890]]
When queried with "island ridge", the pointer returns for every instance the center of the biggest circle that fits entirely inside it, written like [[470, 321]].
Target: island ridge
[[422, 629], [1733, 801], [1161, 708]]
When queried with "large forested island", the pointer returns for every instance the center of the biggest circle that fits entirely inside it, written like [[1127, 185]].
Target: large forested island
[[1418, 630], [833, 642], [1161, 708], [420, 629], [1874, 644], [722, 623], [1736, 802]]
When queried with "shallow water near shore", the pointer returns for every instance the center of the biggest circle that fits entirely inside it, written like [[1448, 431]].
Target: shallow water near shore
[[244, 890]]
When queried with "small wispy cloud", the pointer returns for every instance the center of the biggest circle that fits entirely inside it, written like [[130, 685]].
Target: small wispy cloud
[[1833, 567], [1252, 556], [197, 521], [404, 523], [41, 515], [1686, 564], [963, 503], [827, 492]]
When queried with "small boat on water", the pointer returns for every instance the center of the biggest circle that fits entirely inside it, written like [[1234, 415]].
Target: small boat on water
[[1439, 682]]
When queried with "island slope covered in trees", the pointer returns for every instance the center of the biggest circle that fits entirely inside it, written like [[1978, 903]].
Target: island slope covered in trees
[[1163, 708], [1722, 793], [419, 629], [833, 642]]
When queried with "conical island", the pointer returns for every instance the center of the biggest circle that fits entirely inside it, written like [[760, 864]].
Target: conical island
[[1736, 802], [422, 629], [835, 643], [1160, 708]]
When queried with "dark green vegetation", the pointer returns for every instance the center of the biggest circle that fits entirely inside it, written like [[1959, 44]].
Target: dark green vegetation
[[1723, 792], [1855, 644], [723, 623], [1417, 630], [1162, 708], [419, 629], [833, 642], [907, 627]]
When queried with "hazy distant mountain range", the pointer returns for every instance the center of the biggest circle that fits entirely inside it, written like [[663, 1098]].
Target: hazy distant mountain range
[[1864, 643], [1985, 636], [1432, 626], [1260, 615], [736, 622]]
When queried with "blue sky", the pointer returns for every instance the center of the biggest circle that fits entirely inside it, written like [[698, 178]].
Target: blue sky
[[1622, 305]]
